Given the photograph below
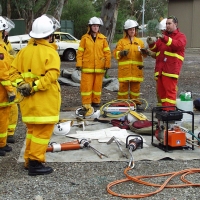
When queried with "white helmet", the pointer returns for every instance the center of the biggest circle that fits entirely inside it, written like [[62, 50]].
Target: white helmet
[[10, 24], [95, 20], [3, 24], [162, 25], [44, 26], [62, 128], [130, 24]]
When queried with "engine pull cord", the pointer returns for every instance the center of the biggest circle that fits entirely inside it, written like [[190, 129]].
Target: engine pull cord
[[137, 179]]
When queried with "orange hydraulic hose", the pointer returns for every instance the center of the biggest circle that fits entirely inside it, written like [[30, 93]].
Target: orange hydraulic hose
[[137, 179]]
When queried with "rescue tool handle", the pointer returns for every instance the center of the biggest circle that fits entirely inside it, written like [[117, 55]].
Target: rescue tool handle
[[73, 145]]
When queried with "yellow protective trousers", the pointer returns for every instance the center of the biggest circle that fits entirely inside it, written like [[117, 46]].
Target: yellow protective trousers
[[13, 117], [124, 93], [37, 140], [91, 87], [4, 119]]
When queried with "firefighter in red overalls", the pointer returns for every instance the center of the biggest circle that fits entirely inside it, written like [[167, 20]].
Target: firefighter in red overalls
[[172, 45]]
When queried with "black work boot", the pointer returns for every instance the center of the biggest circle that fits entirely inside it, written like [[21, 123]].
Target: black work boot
[[6, 148], [37, 168], [10, 139], [2, 153]]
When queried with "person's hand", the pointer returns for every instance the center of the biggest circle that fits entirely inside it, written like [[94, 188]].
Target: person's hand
[[78, 68], [11, 96], [124, 53], [150, 40], [159, 35], [25, 89], [151, 53], [140, 66], [143, 51]]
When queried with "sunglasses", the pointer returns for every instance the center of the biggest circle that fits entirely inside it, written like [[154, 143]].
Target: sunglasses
[[175, 20]]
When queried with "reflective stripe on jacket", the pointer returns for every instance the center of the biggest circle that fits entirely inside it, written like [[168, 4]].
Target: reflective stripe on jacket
[[128, 65], [39, 62], [93, 57], [172, 47]]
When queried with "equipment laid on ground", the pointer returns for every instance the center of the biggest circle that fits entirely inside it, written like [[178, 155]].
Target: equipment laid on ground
[[132, 145], [118, 143], [73, 145], [87, 144], [118, 108], [62, 128], [81, 112], [170, 137]]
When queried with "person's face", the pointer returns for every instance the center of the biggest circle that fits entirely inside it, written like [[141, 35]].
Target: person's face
[[131, 32], [95, 28], [170, 25], [6, 33]]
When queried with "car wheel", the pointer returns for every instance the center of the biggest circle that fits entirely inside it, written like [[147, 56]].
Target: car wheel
[[69, 55]]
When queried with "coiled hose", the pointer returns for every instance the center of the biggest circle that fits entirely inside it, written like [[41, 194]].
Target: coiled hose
[[128, 102], [137, 179]]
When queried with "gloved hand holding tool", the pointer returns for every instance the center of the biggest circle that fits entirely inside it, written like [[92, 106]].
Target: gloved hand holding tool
[[25, 89], [160, 36], [124, 53], [144, 51], [11, 96], [150, 40], [151, 53]]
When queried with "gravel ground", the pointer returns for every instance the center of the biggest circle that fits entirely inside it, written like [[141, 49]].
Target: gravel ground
[[74, 181]]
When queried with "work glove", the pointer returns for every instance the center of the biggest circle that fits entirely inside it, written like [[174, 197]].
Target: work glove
[[151, 53], [78, 68], [124, 53], [159, 35], [106, 72], [150, 40], [25, 89], [140, 66], [12, 52], [11, 96], [143, 51]]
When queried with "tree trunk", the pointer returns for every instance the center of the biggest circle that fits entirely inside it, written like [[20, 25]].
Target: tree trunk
[[109, 13], [8, 9]]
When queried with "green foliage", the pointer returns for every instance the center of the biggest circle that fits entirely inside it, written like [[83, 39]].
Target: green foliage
[[152, 27], [79, 12]]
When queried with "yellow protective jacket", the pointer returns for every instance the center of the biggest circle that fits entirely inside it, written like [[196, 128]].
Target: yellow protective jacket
[[128, 69], [9, 49], [39, 64], [93, 57], [5, 83]]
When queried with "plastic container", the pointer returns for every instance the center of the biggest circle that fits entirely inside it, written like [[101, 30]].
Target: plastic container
[[186, 106]]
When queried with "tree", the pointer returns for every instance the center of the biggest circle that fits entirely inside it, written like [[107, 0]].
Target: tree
[[31, 9], [79, 13], [109, 15]]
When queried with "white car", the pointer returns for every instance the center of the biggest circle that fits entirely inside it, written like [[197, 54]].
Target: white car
[[67, 44]]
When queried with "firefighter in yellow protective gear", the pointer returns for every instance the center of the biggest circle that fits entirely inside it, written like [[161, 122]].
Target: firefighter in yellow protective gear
[[93, 59], [130, 62], [38, 66], [7, 94], [13, 118]]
